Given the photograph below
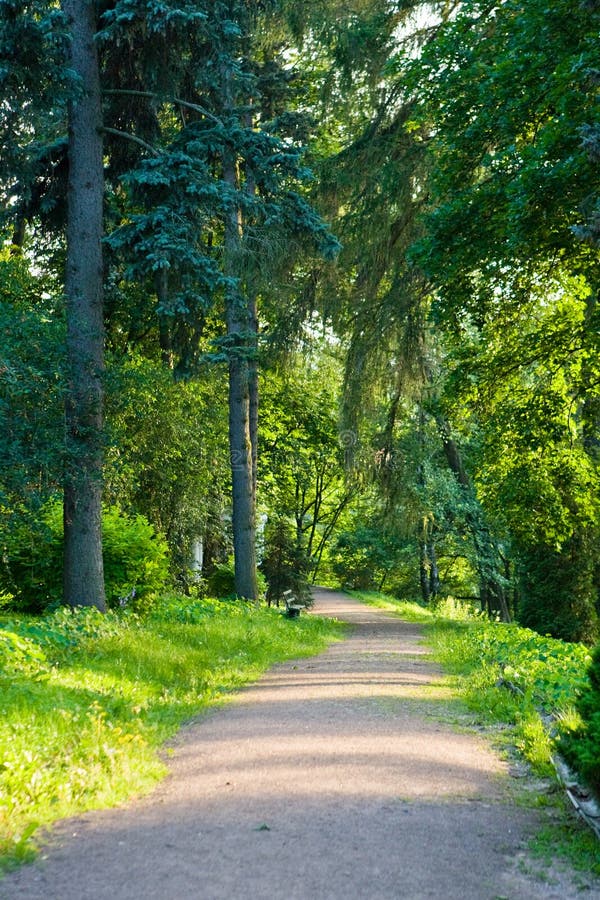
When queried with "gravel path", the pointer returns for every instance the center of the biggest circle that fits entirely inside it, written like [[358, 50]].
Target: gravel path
[[330, 779]]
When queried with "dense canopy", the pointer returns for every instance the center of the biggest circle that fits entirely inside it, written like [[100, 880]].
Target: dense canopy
[[314, 287]]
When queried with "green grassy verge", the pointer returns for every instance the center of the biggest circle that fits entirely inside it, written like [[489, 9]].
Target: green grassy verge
[[509, 675], [406, 609], [87, 700]]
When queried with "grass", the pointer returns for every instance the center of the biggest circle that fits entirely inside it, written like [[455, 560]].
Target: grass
[[507, 675], [411, 612], [88, 700]]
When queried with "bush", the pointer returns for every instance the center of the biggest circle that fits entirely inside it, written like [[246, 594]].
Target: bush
[[135, 561], [581, 746]]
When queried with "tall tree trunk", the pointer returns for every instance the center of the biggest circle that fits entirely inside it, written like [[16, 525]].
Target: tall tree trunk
[[83, 566], [240, 441]]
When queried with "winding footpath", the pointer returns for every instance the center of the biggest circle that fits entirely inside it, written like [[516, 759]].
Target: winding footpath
[[332, 778]]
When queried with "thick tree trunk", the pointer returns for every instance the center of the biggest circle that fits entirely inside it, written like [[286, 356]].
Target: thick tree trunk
[[240, 439], [83, 566]]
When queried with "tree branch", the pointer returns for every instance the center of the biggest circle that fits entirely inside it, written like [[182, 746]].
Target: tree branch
[[175, 100], [131, 137]]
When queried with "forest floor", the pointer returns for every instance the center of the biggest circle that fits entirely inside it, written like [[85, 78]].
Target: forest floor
[[343, 776]]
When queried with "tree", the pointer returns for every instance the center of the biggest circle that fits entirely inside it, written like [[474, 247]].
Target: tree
[[83, 566], [221, 194], [513, 287], [167, 456], [301, 460]]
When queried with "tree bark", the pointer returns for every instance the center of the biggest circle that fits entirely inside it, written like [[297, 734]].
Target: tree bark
[[250, 188], [83, 565], [253, 386], [240, 440]]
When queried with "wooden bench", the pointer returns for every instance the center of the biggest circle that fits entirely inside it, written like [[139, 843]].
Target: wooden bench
[[293, 605]]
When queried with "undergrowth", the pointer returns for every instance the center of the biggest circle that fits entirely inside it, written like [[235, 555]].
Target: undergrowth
[[87, 699]]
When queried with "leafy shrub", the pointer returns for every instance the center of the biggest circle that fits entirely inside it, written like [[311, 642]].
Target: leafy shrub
[[514, 675], [581, 746], [549, 669], [135, 561], [221, 581], [192, 610], [20, 656]]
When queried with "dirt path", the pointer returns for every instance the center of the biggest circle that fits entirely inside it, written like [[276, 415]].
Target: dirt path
[[330, 779]]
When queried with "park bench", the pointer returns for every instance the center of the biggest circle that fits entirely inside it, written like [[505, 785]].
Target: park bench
[[293, 604]]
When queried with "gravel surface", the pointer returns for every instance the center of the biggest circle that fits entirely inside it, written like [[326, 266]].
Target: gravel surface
[[332, 778]]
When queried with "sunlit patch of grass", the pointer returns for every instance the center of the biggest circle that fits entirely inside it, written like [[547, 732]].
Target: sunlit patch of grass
[[513, 675], [87, 701], [406, 609]]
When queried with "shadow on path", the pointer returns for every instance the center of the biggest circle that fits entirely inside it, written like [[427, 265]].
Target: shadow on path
[[324, 781]]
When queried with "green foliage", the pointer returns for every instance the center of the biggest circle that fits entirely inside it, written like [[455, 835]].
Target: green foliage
[[285, 565], [35, 86], [31, 389], [511, 674], [549, 671], [135, 560], [559, 594], [580, 745], [363, 558], [167, 454], [20, 656], [92, 698], [301, 460], [221, 581], [466, 287], [517, 177]]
